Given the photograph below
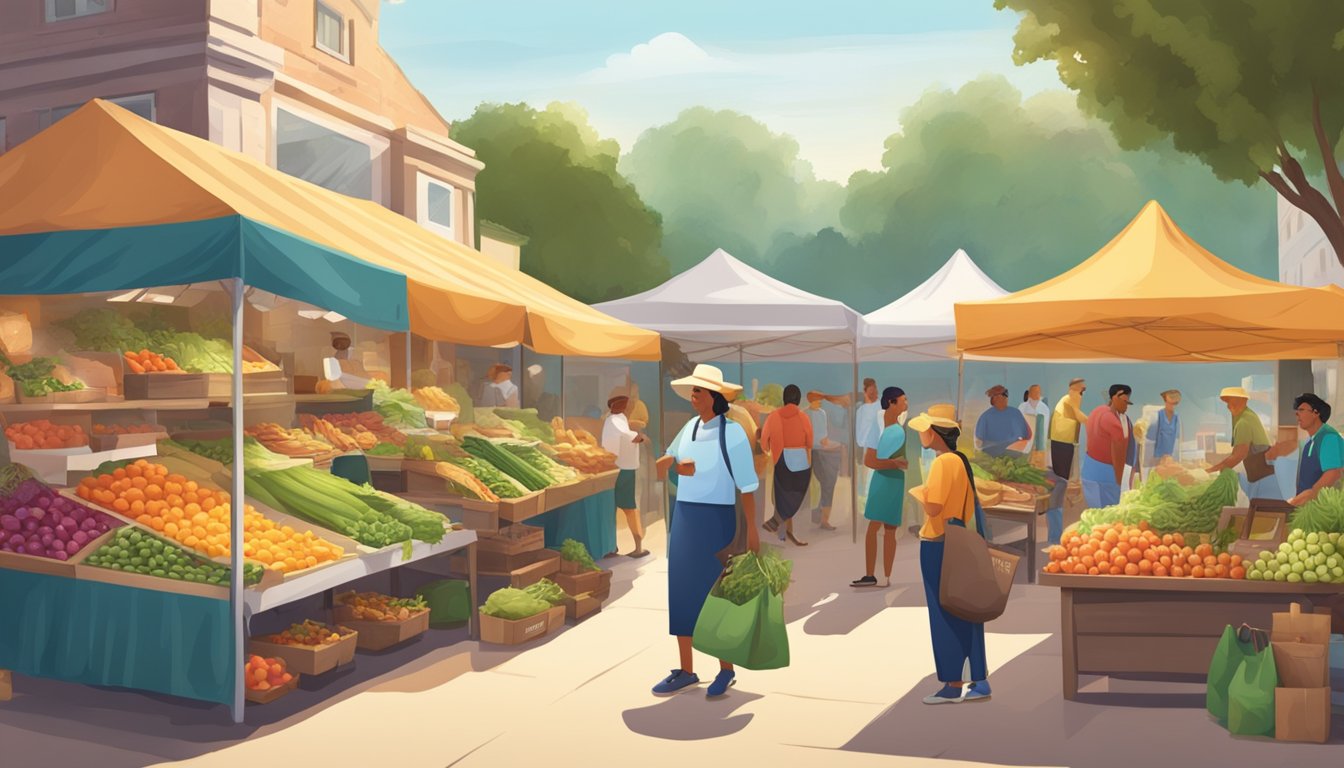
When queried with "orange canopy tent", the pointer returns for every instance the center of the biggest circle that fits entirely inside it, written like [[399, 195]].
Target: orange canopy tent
[[1154, 294], [104, 168]]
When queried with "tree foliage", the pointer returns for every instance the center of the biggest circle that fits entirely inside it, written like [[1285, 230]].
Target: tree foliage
[[1250, 87], [550, 176]]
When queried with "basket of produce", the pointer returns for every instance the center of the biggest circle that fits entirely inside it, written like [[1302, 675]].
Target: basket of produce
[[580, 449], [135, 558], [44, 435], [1118, 549], [512, 617], [310, 648], [1168, 506], [42, 531], [267, 679], [575, 558], [1017, 482], [381, 621]]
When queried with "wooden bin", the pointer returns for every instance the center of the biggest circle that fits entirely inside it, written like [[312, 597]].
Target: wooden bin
[[51, 567], [522, 508], [512, 540], [308, 660], [602, 481], [515, 632], [558, 496], [266, 697], [578, 607], [380, 635], [579, 583], [85, 395]]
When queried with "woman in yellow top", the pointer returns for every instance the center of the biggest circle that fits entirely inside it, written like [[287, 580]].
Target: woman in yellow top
[[949, 499]]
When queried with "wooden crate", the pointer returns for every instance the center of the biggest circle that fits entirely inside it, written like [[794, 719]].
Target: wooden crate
[[85, 395], [558, 496], [177, 386], [85, 572], [380, 635], [117, 442], [578, 607], [265, 383], [522, 508], [579, 583], [603, 481], [512, 540], [515, 632], [49, 567], [309, 660], [266, 697]]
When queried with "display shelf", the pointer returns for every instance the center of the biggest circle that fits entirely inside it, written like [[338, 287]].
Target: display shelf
[[345, 572], [193, 404]]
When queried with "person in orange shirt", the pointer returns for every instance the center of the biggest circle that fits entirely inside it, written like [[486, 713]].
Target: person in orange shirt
[[948, 496], [787, 439]]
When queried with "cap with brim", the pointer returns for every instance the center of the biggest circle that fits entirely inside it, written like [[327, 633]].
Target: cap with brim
[[1234, 392], [997, 389], [925, 421], [943, 411], [706, 377]]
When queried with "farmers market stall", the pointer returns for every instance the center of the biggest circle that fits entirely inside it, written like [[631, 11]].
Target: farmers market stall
[[1147, 585], [139, 404]]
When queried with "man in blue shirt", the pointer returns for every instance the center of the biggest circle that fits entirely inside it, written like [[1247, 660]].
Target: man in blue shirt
[[1166, 429], [1000, 429], [1322, 461]]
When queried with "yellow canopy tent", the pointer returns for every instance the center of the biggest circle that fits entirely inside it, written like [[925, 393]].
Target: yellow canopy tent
[[1154, 294], [104, 167]]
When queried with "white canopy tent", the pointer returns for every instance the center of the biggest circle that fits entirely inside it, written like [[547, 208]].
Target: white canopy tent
[[921, 325], [722, 309]]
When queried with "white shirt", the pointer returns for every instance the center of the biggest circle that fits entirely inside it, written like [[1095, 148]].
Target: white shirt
[[869, 423], [618, 438], [712, 483], [500, 394]]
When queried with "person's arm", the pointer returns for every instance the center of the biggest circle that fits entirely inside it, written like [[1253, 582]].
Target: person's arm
[[1239, 454], [739, 453], [1332, 462], [749, 513], [670, 456], [1119, 452], [1024, 434]]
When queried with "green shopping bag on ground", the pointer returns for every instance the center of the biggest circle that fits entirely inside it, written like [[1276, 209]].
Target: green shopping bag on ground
[[1250, 695], [751, 636], [1235, 646]]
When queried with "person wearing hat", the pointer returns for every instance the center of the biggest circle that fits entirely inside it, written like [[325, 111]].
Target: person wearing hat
[[1322, 462], [1166, 428], [500, 391], [948, 496], [1250, 446], [714, 464], [622, 441], [1000, 429], [1065, 424], [1110, 447]]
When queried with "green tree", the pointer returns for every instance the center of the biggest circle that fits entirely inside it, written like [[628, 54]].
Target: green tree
[[551, 177], [1029, 189], [723, 180], [1250, 87]]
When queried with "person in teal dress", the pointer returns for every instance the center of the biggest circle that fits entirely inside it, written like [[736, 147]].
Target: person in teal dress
[[886, 490]]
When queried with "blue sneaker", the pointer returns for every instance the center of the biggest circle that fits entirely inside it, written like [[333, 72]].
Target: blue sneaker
[[978, 691], [675, 682], [950, 694], [720, 685]]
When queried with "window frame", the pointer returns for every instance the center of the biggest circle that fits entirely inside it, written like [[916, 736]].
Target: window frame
[[46, 117], [81, 11], [379, 146], [344, 53], [422, 184]]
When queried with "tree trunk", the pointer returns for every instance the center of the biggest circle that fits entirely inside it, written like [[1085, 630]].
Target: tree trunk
[[1303, 196]]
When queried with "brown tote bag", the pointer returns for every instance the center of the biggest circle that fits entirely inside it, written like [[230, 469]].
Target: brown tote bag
[[976, 578]]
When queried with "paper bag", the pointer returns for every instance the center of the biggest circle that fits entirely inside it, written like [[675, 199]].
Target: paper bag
[[1302, 665], [1298, 627], [16, 334], [1302, 714]]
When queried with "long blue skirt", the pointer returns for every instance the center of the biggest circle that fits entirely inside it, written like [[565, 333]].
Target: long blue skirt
[[955, 641], [699, 531]]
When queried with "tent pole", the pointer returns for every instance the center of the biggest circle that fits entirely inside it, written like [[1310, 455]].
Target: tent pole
[[562, 387], [961, 371], [236, 596], [741, 368], [853, 449], [409, 367], [662, 440]]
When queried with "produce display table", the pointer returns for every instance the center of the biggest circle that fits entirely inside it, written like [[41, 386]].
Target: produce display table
[[1163, 629], [1014, 513], [591, 520]]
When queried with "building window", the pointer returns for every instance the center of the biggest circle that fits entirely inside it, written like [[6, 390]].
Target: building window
[[331, 33], [434, 206], [326, 158], [60, 10], [141, 104]]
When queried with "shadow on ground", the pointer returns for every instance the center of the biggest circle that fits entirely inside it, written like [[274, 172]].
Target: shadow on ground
[[688, 717]]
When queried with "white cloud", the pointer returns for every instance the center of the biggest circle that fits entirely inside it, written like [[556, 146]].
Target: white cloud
[[667, 55]]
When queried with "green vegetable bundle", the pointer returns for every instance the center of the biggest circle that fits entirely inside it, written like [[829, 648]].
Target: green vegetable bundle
[[220, 450], [385, 449], [531, 478], [329, 501], [1323, 514], [397, 406], [547, 590], [575, 552], [749, 574], [500, 484], [136, 551], [105, 330], [193, 352], [1010, 469], [513, 604], [558, 472], [425, 524], [1202, 506], [34, 377], [771, 395], [532, 425]]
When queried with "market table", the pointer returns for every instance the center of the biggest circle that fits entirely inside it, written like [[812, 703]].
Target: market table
[[1015, 513], [1163, 628]]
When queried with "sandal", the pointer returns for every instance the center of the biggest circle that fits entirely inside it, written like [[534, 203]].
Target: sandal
[[771, 525], [796, 542], [640, 553]]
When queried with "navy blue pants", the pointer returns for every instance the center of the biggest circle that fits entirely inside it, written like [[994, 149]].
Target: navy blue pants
[[954, 640], [699, 532]]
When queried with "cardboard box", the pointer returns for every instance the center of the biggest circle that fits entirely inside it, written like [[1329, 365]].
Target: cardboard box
[[581, 606], [379, 635], [1302, 665], [309, 660], [1302, 714], [555, 618], [515, 632], [1294, 626], [579, 583], [266, 697]]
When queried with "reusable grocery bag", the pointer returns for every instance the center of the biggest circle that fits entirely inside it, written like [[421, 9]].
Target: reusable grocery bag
[[449, 602], [1235, 646], [751, 636], [1250, 696]]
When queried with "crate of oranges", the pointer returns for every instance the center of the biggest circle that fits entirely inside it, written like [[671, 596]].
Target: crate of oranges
[[310, 648], [1121, 550], [267, 679], [43, 435]]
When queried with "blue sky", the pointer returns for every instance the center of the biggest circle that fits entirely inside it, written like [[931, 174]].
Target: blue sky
[[834, 75]]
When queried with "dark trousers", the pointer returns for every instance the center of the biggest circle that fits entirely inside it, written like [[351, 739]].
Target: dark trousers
[[954, 640]]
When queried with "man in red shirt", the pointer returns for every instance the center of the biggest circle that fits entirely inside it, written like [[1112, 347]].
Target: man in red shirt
[[1110, 445]]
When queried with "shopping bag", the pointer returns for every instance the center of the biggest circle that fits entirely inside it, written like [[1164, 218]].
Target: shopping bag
[[751, 636], [1250, 696], [971, 587], [1233, 648]]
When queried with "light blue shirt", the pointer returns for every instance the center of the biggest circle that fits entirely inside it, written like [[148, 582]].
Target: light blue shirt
[[712, 483], [818, 417], [869, 424], [1165, 433]]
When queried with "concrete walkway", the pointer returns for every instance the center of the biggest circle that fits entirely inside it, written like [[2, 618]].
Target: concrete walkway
[[861, 663]]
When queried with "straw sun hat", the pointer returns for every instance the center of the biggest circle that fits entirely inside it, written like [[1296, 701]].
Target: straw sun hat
[[1234, 392], [706, 377], [941, 415]]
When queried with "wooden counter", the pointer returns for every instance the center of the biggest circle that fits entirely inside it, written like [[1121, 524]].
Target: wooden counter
[[1164, 628]]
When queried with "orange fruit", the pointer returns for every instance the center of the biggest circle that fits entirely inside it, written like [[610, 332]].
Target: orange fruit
[[1236, 560], [1093, 571], [1131, 570], [1160, 570], [1177, 571], [1117, 570], [1197, 572], [1210, 561], [1237, 572], [1145, 567], [1225, 559], [1164, 561], [1134, 556], [1168, 539], [1194, 560], [1221, 571], [1151, 556]]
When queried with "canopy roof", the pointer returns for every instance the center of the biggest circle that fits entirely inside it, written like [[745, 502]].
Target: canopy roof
[[104, 169], [722, 308], [921, 324], [1152, 293]]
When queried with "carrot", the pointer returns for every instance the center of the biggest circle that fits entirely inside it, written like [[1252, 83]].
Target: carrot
[[135, 365]]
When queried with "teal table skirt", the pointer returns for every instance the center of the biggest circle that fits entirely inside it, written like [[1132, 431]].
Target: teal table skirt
[[103, 634], [591, 521]]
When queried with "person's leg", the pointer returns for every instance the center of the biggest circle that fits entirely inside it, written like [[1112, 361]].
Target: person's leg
[[889, 550], [637, 530], [947, 657], [1054, 521], [687, 658], [832, 464], [870, 548]]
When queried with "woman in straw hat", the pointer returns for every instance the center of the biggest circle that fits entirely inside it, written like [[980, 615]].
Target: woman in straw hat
[[713, 463], [948, 497]]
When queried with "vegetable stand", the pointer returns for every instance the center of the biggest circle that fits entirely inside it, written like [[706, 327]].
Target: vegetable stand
[[1161, 628]]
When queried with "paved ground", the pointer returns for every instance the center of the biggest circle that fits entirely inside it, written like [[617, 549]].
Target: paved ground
[[861, 663]]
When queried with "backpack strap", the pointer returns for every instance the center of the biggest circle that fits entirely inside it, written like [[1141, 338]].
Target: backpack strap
[[723, 442]]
